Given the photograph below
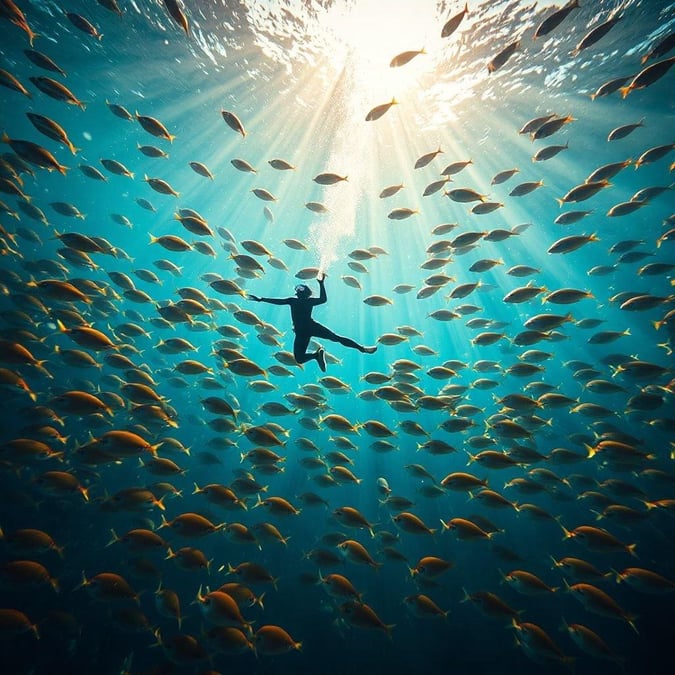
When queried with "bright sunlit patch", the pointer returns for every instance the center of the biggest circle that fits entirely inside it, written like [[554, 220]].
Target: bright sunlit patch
[[372, 33], [361, 39]]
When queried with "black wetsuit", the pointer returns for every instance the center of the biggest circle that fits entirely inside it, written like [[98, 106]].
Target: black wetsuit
[[306, 328]]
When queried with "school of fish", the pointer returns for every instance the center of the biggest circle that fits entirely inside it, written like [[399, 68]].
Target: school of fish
[[103, 383]]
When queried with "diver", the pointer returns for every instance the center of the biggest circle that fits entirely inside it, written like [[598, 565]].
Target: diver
[[305, 327]]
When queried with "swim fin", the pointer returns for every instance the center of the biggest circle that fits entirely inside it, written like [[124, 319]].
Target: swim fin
[[321, 358]]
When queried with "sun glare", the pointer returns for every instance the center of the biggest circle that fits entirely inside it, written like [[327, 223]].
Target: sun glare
[[361, 39], [372, 33]]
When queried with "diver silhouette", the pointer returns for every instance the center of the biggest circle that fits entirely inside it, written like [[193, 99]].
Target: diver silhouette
[[305, 327]]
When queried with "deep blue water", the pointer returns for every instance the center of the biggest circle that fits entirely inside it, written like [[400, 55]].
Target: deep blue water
[[302, 83]]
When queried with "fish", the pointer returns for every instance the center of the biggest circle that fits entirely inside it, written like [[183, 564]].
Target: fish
[[661, 48], [161, 186], [35, 154], [84, 25], [281, 165], [264, 195], [597, 601], [525, 188], [590, 642], [455, 167], [233, 122], [111, 5], [363, 616], [596, 34], [401, 213], [329, 178], [611, 86], [552, 21], [242, 165], [571, 243], [549, 152], [503, 56], [503, 176], [8, 80], [380, 110], [43, 61], [584, 191], [177, 14], [653, 154], [152, 151], [536, 643], [453, 23], [119, 111], [550, 127], [56, 90], [274, 640], [390, 191], [426, 159], [405, 57], [624, 130], [648, 76], [154, 127], [464, 195]]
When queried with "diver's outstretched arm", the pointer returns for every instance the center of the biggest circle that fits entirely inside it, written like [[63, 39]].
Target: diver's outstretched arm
[[322, 291], [272, 301]]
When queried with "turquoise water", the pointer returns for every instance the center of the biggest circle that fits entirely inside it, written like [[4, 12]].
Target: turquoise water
[[301, 79]]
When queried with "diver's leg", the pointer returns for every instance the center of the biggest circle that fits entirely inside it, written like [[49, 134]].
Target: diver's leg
[[321, 331], [300, 345]]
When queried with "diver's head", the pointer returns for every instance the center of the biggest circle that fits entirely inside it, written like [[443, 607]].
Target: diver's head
[[303, 291]]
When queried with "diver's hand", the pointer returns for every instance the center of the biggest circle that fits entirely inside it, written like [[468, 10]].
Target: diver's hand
[[255, 298], [321, 277]]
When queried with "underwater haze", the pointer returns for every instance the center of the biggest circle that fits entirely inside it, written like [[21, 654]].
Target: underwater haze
[[487, 188]]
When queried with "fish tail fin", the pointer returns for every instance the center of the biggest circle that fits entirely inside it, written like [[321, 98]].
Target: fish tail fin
[[83, 583], [631, 618], [567, 532], [40, 366], [113, 539]]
